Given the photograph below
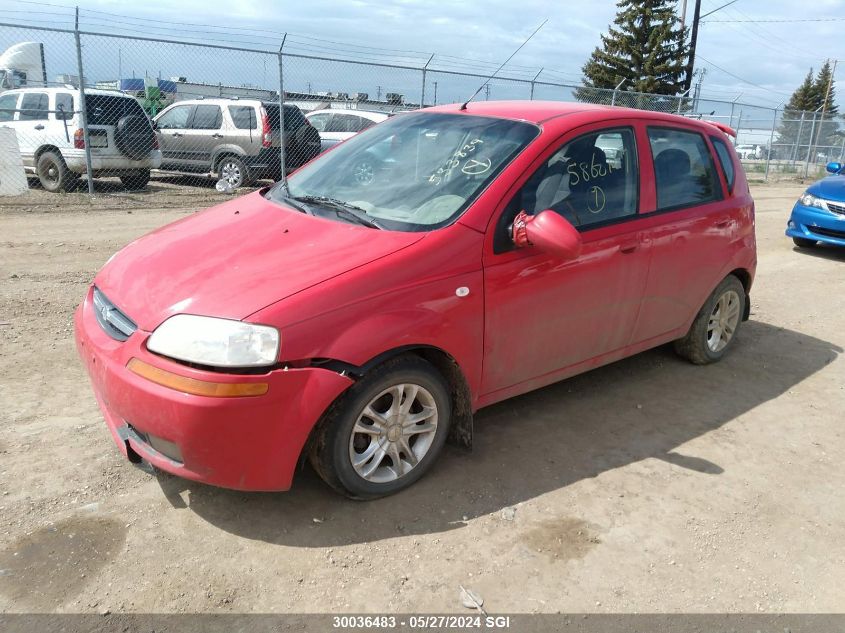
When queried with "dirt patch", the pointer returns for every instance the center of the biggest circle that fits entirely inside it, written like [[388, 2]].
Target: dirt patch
[[562, 539], [44, 569]]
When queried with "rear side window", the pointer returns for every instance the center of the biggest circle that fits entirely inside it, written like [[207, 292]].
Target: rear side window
[[725, 160], [8, 106], [34, 107], [684, 172], [109, 109], [64, 106], [243, 117], [294, 119], [207, 117]]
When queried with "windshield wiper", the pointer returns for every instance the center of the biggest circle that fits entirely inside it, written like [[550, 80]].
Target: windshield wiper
[[347, 210]]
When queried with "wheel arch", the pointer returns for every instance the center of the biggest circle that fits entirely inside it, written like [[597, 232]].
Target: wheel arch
[[222, 152], [45, 148], [461, 430], [745, 279]]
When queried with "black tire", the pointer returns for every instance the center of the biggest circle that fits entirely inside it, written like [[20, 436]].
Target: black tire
[[136, 179], [234, 170], [695, 346], [803, 242], [53, 173], [134, 136], [330, 451]]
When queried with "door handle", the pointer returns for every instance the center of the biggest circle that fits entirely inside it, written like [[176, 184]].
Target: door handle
[[216, 136], [176, 134], [629, 247], [39, 127], [723, 224]]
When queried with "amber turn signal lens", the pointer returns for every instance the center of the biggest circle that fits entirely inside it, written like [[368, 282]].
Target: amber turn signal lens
[[193, 386]]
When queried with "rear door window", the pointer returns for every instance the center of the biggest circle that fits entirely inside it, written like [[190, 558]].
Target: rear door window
[[294, 119], [109, 109], [725, 160], [34, 107], [175, 119], [207, 117], [684, 172], [243, 117], [8, 107]]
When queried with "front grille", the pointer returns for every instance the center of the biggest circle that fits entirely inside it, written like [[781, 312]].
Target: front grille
[[836, 208], [114, 322], [827, 232]]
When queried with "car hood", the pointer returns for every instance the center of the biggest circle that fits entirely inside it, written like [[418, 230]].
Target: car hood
[[830, 188], [236, 258]]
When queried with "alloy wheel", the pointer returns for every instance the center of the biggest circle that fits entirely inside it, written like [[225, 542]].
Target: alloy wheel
[[723, 321], [393, 433]]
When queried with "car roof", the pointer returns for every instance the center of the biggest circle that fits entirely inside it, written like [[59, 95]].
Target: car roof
[[540, 111], [372, 115], [52, 89]]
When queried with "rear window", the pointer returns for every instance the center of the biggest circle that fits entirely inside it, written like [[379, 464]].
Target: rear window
[[294, 119], [725, 160], [109, 109]]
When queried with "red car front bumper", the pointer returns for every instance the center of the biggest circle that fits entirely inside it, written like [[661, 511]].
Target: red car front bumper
[[244, 443]]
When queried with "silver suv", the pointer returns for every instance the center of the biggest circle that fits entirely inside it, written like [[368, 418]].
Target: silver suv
[[233, 139], [48, 126]]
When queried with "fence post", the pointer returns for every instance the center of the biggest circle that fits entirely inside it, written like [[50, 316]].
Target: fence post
[[531, 97], [83, 113], [771, 143], [422, 92], [798, 138], [615, 90], [810, 146], [283, 176], [842, 150]]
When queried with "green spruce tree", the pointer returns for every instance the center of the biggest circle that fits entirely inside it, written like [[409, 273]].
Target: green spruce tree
[[797, 124], [827, 133], [645, 46]]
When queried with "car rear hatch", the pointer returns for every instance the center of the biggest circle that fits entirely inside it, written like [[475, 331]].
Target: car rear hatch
[[103, 112]]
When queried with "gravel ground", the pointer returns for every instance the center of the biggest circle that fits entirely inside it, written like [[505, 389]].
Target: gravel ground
[[649, 485]]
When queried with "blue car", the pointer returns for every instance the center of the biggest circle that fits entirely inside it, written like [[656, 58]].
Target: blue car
[[819, 214]]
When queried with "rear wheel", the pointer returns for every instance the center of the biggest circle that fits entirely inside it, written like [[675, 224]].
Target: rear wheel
[[53, 173], [234, 171], [386, 432], [136, 179], [803, 242], [715, 327]]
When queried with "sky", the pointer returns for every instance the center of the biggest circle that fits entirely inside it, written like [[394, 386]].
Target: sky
[[759, 62]]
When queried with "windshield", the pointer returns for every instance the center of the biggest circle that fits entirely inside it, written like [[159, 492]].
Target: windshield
[[414, 172]]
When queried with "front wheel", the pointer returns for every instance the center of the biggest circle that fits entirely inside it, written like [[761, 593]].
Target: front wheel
[[715, 327], [803, 242], [386, 432], [136, 179]]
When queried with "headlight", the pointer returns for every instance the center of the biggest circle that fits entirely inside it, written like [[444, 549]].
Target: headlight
[[809, 200], [215, 342]]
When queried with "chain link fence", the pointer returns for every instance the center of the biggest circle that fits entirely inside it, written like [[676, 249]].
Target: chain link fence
[[85, 105]]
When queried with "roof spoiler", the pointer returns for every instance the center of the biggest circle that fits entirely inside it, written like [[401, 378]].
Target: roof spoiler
[[724, 128]]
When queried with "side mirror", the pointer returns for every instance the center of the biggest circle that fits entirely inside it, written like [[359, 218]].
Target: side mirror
[[549, 232], [834, 168]]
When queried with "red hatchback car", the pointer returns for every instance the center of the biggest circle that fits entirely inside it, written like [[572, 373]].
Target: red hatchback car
[[359, 322]]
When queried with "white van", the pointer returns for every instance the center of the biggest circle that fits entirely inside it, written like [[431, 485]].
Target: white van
[[48, 125]]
